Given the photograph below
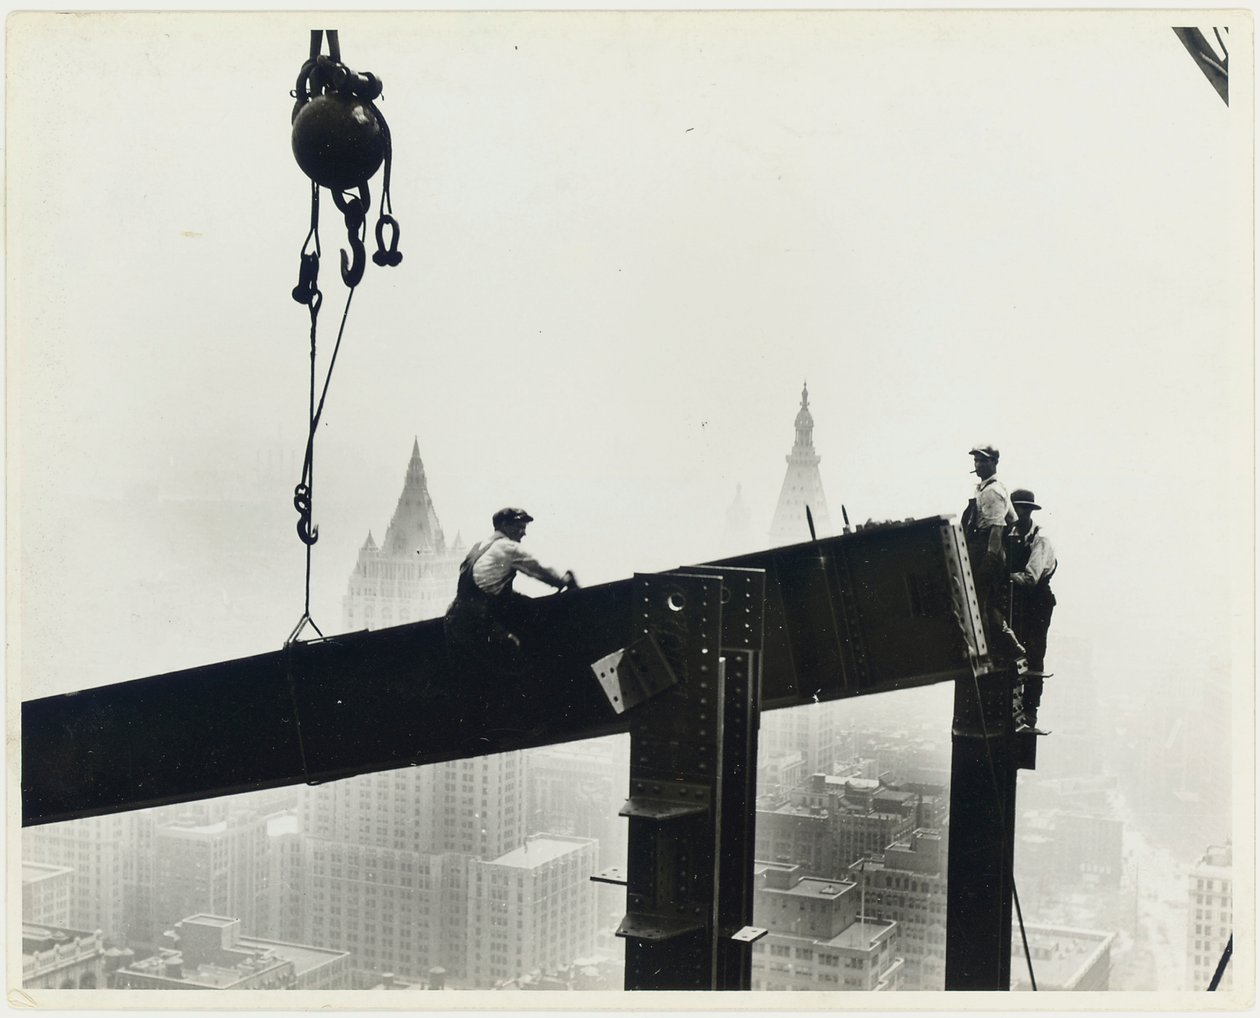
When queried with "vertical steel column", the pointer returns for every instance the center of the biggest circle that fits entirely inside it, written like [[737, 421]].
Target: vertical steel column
[[743, 614], [675, 757], [693, 784], [986, 756]]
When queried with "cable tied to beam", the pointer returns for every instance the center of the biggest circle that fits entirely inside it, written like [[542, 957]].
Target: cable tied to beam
[[339, 139]]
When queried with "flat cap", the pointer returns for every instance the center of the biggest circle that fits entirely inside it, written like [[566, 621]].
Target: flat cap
[[989, 452], [510, 515]]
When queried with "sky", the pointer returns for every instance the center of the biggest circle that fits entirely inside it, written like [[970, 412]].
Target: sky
[[628, 240]]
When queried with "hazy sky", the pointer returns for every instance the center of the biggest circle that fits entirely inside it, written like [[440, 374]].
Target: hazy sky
[[628, 239]]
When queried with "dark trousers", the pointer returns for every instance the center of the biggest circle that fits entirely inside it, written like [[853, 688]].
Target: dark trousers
[[992, 591], [1032, 611]]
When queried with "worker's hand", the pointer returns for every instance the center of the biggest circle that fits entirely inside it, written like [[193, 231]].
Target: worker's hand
[[570, 581]]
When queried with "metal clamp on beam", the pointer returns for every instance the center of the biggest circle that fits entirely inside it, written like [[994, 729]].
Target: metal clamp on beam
[[633, 674], [656, 927], [666, 801]]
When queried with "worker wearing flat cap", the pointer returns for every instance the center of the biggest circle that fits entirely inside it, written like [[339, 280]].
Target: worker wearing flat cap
[[1032, 564], [985, 522], [486, 621]]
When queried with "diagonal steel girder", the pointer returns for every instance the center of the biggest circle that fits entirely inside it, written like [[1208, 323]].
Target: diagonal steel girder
[[884, 608]]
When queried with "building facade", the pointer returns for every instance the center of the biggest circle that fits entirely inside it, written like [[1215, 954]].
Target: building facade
[[832, 821], [98, 850], [906, 883], [57, 958], [818, 937], [1063, 958], [46, 894], [1210, 917], [217, 868], [534, 909]]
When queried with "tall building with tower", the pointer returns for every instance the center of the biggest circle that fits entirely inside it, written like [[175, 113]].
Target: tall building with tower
[[411, 574], [802, 486], [386, 857]]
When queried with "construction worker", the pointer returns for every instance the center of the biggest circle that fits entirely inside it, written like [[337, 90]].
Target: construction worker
[[1032, 564], [985, 522], [487, 621]]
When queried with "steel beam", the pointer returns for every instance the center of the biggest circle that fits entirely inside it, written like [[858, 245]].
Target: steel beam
[[859, 613]]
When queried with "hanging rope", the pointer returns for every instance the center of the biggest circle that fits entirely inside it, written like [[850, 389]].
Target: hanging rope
[[339, 140]]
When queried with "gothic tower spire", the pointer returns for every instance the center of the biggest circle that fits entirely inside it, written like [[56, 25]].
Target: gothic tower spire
[[802, 486], [415, 525]]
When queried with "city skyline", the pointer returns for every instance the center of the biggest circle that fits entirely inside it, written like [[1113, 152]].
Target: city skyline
[[888, 842]]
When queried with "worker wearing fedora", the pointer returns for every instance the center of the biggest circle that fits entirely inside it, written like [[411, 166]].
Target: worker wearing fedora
[[1032, 564], [985, 522]]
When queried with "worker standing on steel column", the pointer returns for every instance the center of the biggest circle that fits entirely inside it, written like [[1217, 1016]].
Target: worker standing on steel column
[[985, 522], [1032, 564], [488, 621]]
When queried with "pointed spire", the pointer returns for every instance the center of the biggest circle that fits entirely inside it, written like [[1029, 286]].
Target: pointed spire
[[370, 543], [804, 446], [802, 486], [415, 525]]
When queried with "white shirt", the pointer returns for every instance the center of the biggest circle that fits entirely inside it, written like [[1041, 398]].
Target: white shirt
[[502, 560], [1041, 558], [993, 505]]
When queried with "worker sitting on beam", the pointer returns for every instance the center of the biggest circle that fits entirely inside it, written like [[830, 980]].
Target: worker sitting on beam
[[487, 625]]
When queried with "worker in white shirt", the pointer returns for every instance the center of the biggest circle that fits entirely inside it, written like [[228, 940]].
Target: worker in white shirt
[[985, 522], [486, 621]]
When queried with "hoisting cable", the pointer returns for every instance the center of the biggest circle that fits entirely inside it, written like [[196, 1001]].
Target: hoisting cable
[[1220, 966], [339, 140]]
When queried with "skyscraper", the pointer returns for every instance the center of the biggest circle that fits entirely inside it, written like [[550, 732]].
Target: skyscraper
[[97, 850], [203, 867], [411, 575], [820, 938], [386, 857], [533, 908], [802, 486], [906, 883], [1209, 919]]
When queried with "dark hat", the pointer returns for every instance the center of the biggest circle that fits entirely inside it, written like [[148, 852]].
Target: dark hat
[[987, 451], [1022, 496], [510, 516]]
